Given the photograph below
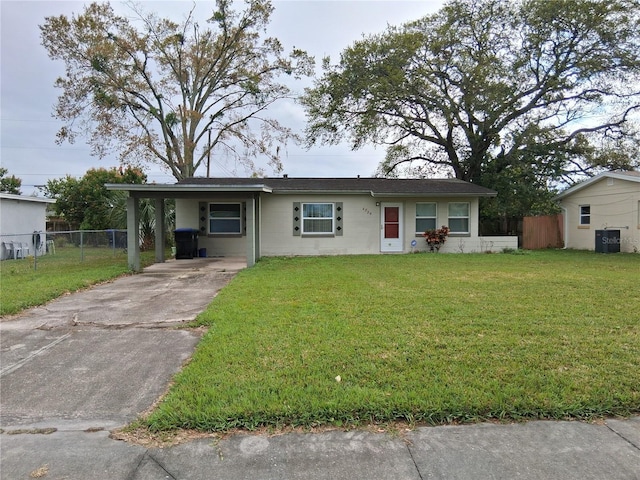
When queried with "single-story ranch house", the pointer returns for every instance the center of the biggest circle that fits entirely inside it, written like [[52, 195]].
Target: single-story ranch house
[[256, 217], [608, 202]]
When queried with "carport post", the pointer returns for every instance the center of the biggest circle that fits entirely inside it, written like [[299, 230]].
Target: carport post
[[160, 228], [251, 232], [133, 233]]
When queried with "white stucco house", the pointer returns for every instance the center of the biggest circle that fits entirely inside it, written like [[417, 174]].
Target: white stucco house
[[256, 217], [20, 218], [603, 213]]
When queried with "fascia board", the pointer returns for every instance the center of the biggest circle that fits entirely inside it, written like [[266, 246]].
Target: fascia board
[[25, 198], [379, 195], [186, 188], [322, 192], [432, 195]]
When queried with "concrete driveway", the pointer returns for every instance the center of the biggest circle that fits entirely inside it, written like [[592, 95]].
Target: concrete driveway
[[96, 359]]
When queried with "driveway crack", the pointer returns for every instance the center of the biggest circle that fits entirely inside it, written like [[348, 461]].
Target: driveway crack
[[13, 367], [121, 326]]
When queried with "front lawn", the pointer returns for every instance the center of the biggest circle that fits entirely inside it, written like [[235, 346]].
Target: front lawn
[[422, 338], [28, 283]]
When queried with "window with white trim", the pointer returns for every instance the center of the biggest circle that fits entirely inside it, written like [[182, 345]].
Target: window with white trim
[[585, 214], [318, 218], [426, 217], [225, 218], [459, 217]]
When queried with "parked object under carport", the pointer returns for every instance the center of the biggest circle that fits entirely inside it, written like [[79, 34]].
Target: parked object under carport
[[186, 243]]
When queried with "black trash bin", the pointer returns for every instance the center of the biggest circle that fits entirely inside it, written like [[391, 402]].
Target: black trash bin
[[186, 243]]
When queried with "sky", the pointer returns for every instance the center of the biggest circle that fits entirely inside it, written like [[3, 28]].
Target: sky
[[27, 92]]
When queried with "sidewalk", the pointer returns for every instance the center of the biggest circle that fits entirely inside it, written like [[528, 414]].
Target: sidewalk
[[535, 450], [91, 362]]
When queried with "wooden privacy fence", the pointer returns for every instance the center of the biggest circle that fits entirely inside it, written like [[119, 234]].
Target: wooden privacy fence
[[545, 231]]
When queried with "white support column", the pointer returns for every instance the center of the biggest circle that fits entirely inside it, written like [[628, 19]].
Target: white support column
[[258, 224], [160, 230], [251, 232], [133, 233]]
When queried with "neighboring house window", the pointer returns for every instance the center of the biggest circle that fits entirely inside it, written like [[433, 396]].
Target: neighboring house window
[[426, 214], [225, 218], [459, 217], [585, 214], [317, 218]]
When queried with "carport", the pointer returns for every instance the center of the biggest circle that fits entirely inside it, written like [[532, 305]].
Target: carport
[[250, 194]]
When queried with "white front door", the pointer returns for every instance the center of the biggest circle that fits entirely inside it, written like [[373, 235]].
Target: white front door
[[391, 227]]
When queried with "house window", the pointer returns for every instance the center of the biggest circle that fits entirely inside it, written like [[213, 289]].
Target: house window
[[426, 215], [585, 214], [459, 217], [317, 218], [225, 218]]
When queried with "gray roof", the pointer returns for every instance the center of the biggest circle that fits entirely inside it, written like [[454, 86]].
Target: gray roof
[[24, 198], [372, 186]]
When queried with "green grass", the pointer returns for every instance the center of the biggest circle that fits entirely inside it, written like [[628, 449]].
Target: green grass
[[428, 338], [22, 286]]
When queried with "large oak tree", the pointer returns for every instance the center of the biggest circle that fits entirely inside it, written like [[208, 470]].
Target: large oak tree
[[512, 94], [155, 90]]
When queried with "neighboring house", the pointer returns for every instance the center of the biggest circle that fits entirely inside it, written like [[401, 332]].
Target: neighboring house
[[607, 202], [20, 218], [283, 216]]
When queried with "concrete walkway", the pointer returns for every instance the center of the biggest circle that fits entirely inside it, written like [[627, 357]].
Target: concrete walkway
[[90, 362], [534, 450]]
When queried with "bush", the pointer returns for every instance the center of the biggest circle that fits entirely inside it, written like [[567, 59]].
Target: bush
[[436, 238]]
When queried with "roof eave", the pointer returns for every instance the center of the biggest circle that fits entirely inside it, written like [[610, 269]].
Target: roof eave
[[321, 192], [434, 194], [597, 178], [382, 194], [212, 188], [25, 198], [166, 188]]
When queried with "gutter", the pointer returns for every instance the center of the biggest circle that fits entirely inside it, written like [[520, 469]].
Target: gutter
[[565, 227], [321, 192], [181, 188], [142, 188], [432, 194], [380, 195]]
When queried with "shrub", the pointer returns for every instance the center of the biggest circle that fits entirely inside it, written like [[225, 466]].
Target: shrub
[[436, 238]]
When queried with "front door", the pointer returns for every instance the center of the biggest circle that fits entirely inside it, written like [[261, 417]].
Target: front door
[[391, 227]]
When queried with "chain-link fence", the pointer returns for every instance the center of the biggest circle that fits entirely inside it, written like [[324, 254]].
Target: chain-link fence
[[78, 244]]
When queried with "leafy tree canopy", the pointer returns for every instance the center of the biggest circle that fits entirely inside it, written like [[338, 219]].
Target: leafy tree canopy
[[86, 203], [10, 184], [158, 91], [510, 94]]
